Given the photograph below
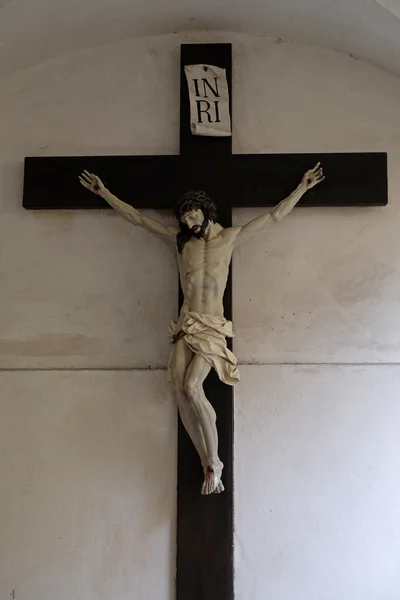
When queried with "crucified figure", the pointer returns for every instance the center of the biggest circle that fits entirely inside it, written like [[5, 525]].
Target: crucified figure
[[204, 250]]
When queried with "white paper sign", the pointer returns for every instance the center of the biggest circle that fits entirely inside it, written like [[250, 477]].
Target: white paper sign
[[209, 100]]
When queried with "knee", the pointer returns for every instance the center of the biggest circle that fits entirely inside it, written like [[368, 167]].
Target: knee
[[191, 388], [177, 388]]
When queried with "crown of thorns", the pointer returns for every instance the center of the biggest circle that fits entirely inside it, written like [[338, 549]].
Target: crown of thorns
[[194, 200]]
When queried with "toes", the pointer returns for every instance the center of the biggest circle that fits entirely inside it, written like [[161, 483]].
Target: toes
[[220, 488], [210, 484], [205, 488]]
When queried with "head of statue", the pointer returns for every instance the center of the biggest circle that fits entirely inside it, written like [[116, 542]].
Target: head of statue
[[194, 212]]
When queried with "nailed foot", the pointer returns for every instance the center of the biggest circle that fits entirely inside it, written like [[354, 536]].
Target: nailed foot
[[212, 480]]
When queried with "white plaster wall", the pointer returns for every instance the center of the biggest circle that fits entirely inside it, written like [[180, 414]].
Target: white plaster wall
[[85, 290], [317, 488], [87, 498]]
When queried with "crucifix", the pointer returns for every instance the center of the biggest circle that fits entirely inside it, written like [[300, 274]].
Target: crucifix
[[205, 522]]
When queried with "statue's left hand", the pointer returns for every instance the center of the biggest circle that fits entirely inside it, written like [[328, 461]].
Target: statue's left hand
[[312, 177], [91, 182]]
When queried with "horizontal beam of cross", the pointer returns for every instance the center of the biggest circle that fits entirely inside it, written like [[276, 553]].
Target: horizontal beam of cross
[[352, 179]]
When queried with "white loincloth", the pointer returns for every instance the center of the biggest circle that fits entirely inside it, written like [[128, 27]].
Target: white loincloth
[[205, 335]]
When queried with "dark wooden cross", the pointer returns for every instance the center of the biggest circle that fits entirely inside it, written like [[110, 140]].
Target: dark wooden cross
[[205, 524]]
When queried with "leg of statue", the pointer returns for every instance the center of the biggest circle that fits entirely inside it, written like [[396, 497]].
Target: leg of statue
[[180, 359], [205, 415]]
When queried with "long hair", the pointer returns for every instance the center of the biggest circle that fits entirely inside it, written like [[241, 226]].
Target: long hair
[[192, 201]]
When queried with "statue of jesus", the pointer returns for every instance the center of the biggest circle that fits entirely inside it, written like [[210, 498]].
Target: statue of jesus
[[204, 250]]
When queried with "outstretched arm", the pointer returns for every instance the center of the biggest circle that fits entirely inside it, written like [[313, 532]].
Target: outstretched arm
[[262, 223], [95, 185]]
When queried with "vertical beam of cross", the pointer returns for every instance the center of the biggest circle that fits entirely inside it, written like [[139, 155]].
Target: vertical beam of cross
[[205, 524]]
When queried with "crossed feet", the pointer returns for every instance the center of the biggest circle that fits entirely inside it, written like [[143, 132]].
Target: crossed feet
[[212, 480]]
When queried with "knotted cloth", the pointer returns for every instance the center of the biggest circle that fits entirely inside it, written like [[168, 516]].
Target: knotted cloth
[[206, 336]]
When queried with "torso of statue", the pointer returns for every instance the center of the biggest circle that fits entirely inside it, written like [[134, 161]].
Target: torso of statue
[[203, 270]]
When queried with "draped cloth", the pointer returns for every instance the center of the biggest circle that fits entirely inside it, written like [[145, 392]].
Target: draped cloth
[[206, 336]]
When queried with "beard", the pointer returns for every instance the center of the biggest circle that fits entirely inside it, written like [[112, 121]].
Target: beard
[[201, 232], [186, 234]]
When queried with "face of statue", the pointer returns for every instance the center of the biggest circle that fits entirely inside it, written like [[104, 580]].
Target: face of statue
[[193, 219]]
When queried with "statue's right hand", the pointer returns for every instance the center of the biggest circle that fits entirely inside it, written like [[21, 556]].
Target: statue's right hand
[[91, 182]]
